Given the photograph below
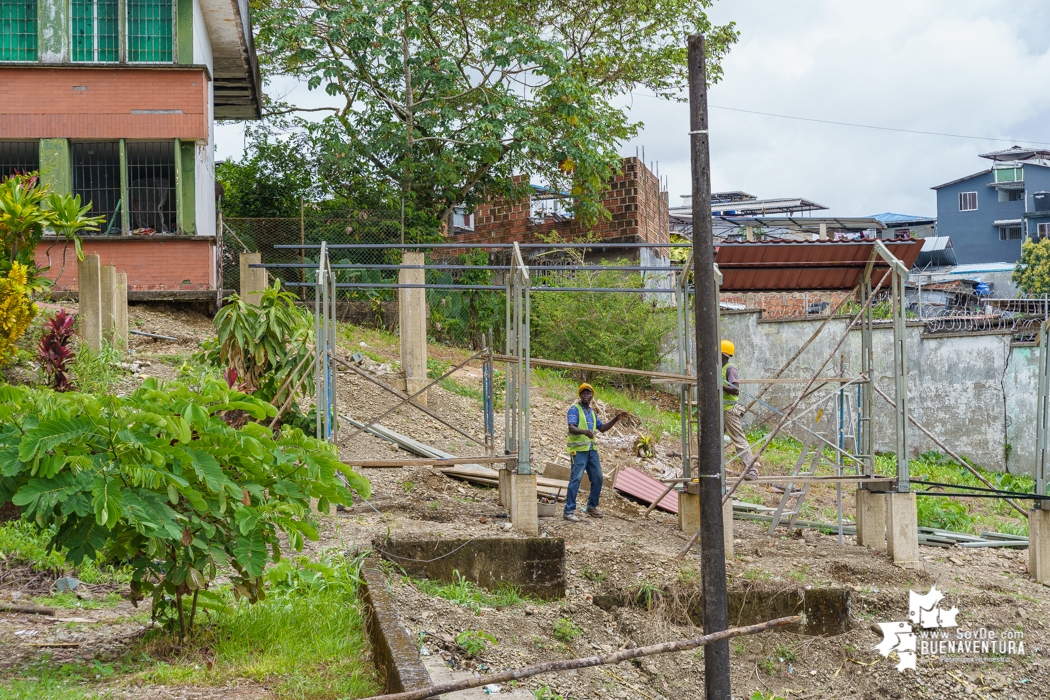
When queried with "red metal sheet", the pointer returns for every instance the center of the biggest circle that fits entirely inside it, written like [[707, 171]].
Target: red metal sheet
[[787, 266], [646, 489]]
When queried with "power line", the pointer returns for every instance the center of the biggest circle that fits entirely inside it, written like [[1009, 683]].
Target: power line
[[880, 128]]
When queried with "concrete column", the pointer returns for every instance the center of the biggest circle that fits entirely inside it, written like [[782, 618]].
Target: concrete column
[[902, 529], [120, 326], [871, 519], [688, 513], [524, 515], [823, 232], [1039, 545], [89, 295], [253, 279], [108, 300], [412, 318], [505, 493]]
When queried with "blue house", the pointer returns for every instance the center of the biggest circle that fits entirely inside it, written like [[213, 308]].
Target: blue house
[[988, 214]]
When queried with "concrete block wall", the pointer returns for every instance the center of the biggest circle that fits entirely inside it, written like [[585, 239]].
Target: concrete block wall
[[637, 206], [977, 393]]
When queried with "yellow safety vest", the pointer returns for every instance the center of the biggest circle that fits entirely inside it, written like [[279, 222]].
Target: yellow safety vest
[[728, 400], [582, 443]]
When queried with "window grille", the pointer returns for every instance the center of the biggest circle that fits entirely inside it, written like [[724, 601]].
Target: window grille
[[95, 30], [17, 30], [96, 178], [1009, 233], [151, 186], [150, 31], [967, 201], [18, 157]]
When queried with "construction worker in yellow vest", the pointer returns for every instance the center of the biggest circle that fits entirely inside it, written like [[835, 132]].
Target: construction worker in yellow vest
[[583, 422], [731, 412]]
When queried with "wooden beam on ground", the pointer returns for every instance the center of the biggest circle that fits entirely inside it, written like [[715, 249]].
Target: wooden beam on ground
[[396, 463]]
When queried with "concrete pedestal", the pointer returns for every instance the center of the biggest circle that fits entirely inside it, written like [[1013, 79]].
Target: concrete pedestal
[[253, 279], [871, 519], [120, 327], [505, 493], [688, 513], [412, 327], [524, 515], [1039, 545], [89, 298], [902, 530], [108, 300], [689, 519]]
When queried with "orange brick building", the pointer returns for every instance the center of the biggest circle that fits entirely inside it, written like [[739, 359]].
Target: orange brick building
[[115, 100], [637, 205]]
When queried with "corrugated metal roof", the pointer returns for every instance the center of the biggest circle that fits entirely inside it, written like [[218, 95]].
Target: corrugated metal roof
[[937, 251], [891, 219], [645, 488], [786, 266]]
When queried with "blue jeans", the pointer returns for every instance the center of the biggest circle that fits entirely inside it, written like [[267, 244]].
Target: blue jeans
[[581, 462]]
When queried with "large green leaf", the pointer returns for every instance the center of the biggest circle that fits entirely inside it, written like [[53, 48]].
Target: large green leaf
[[83, 539], [250, 552], [151, 514], [49, 434], [40, 495]]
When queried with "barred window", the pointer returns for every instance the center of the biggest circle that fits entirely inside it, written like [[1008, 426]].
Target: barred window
[[151, 186], [95, 30], [18, 157], [17, 30], [150, 31], [96, 178]]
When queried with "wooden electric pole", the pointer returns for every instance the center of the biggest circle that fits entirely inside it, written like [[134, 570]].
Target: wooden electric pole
[[717, 684]]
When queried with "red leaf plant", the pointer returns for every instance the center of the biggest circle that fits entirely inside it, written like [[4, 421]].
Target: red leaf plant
[[56, 350]]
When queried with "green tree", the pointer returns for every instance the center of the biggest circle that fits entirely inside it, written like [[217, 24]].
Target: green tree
[[445, 100], [271, 180], [1032, 275]]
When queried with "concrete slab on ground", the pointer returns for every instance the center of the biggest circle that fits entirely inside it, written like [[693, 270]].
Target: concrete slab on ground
[[440, 674]]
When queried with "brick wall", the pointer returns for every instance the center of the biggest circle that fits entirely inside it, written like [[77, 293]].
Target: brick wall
[[786, 304], [103, 103], [159, 263], [638, 208]]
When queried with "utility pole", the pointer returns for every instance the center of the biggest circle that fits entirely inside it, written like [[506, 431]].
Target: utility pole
[[717, 684]]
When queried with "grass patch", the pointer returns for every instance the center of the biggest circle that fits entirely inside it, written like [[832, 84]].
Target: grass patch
[[306, 640], [468, 594], [69, 600], [95, 372], [566, 631], [66, 682], [379, 345], [22, 542]]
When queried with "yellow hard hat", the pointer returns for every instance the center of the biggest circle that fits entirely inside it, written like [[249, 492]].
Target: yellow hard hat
[[585, 387], [728, 348]]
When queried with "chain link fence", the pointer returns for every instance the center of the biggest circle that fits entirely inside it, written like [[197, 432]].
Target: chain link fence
[[456, 317]]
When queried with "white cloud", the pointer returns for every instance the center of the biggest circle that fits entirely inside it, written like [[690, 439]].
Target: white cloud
[[954, 66]]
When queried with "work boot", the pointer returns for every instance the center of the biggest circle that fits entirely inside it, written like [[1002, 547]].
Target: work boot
[[571, 517], [593, 512], [751, 474]]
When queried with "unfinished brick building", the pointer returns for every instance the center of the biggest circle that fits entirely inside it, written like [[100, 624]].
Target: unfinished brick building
[[635, 200]]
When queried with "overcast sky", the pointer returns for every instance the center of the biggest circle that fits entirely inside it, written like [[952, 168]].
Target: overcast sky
[[970, 67]]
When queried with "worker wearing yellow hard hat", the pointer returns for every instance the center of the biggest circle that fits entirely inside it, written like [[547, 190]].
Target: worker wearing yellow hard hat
[[731, 412], [583, 422]]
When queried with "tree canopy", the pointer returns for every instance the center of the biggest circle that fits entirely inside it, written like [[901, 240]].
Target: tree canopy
[[443, 101], [1032, 275]]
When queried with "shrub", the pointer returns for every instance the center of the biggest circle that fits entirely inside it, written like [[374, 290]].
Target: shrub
[[566, 631], [600, 328], [1032, 274], [159, 480], [16, 309], [55, 352], [267, 347]]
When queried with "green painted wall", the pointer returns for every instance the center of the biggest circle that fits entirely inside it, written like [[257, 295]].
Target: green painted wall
[[53, 31], [186, 185], [184, 27], [56, 167]]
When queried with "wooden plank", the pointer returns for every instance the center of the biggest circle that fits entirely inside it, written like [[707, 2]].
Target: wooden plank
[[396, 463]]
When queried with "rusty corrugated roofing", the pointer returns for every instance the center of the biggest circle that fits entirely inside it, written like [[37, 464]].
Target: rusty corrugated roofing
[[645, 488], [789, 266]]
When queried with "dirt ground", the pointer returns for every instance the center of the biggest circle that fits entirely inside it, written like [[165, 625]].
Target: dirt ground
[[622, 553]]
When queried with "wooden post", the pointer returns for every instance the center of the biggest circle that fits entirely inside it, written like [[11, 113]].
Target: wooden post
[[108, 300], [89, 296], [120, 326], [412, 315]]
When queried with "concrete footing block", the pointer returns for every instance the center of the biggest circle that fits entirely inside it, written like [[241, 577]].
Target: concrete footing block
[[689, 519], [89, 298], [412, 326], [902, 529], [871, 519], [253, 279], [506, 495], [120, 327], [727, 527], [524, 515], [108, 300], [1039, 545]]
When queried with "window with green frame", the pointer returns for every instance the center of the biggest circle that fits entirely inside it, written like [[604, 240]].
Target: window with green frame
[[95, 30], [1009, 175], [150, 31], [17, 30]]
